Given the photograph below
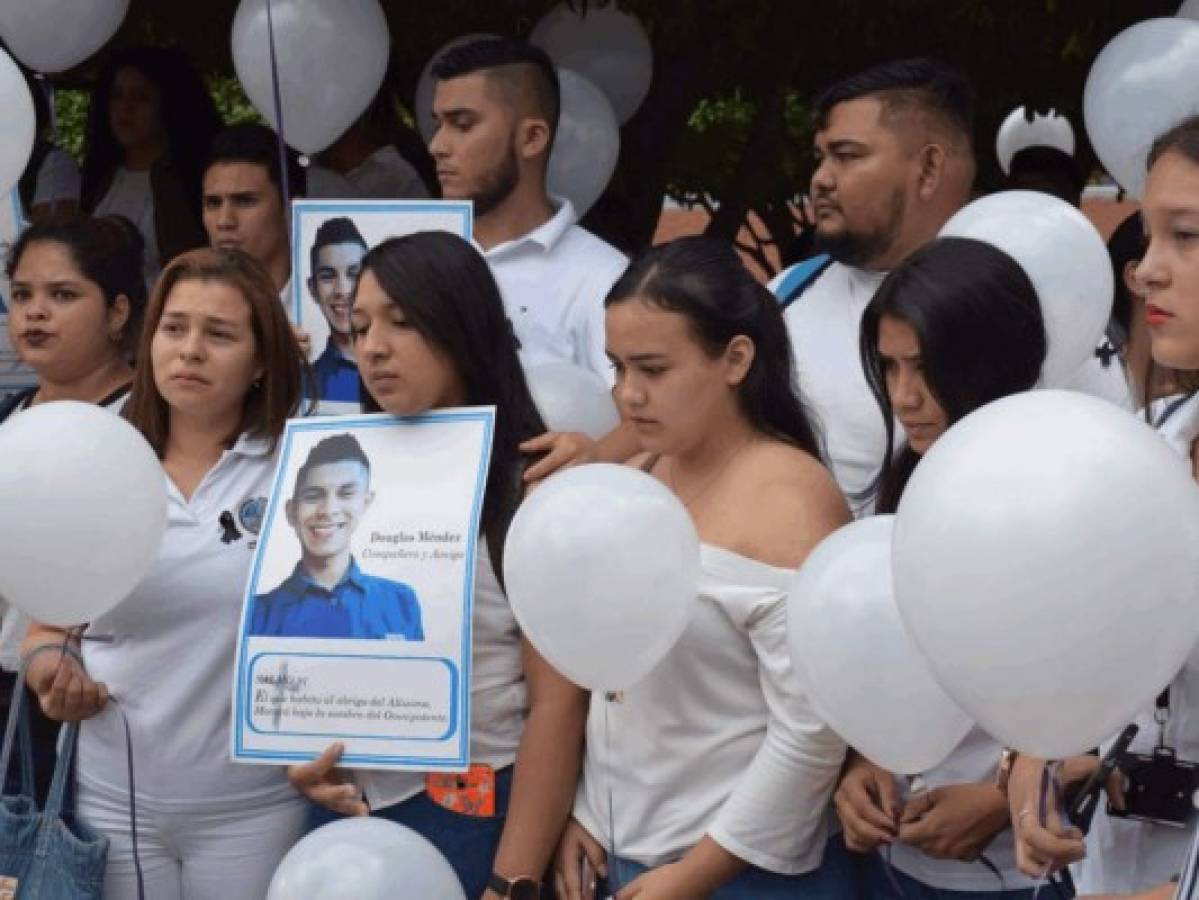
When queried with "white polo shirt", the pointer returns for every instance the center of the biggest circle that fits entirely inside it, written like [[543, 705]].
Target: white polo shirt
[[1125, 856], [553, 281], [170, 661]]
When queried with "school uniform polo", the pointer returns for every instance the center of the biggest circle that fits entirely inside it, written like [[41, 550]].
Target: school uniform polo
[[358, 606], [553, 281], [166, 653]]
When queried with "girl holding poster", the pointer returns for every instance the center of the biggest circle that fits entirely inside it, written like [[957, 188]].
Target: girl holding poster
[[426, 321], [712, 775], [220, 374]]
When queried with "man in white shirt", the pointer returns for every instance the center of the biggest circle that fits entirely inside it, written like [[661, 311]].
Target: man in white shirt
[[496, 106], [895, 155]]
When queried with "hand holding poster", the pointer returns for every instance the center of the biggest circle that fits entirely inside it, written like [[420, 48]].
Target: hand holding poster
[[357, 619]]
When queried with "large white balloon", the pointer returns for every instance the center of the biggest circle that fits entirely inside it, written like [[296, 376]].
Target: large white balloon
[[866, 677], [602, 569], [55, 35], [19, 124], [571, 398], [82, 511], [422, 100], [606, 46], [331, 59], [1142, 83], [1064, 257], [1046, 562], [587, 144], [365, 858], [1019, 133]]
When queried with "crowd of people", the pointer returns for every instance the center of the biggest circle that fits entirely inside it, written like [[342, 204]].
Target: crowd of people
[[775, 415]]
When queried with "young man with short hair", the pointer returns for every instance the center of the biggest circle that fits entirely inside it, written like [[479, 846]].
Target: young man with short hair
[[336, 259], [328, 596]]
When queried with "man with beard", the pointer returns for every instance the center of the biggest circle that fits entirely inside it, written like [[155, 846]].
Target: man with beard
[[496, 106], [894, 147]]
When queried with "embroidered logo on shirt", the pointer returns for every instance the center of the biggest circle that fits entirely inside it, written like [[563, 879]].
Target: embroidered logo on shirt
[[251, 512]]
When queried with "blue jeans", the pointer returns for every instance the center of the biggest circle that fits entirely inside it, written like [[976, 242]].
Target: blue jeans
[[877, 886], [469, 843], [834, 880]]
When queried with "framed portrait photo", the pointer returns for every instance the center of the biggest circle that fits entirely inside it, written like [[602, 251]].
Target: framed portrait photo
[[328, 242], [356, 625]]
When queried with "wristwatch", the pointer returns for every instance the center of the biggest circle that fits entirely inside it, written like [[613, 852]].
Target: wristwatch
[[522, 887]]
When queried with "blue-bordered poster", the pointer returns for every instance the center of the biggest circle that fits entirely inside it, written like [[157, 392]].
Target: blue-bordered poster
[[356, 625], [329, 239]]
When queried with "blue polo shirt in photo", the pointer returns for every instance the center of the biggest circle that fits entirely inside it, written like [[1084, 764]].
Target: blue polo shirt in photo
[[359, 606], [337, 375]]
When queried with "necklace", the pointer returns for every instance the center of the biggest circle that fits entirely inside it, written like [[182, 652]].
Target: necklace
[[710, 480]]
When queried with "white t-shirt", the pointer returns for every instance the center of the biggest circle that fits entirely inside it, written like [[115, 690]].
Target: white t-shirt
[[719, 739], [13, 622], [132, 197], [57, 178], [498, 697], [974, 761], [1125, 856], [170, 663], [553, 282], [824, 324], [386, 175]]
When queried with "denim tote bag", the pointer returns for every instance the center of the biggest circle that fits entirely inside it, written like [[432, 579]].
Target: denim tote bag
[[46, 855]]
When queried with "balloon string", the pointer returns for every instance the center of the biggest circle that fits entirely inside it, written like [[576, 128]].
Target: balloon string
[[611, 792], [284, 180]]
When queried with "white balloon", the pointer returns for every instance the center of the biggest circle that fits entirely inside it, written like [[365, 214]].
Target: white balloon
[[331, 58], [55, 35], [606, 46], [1064, 257], [867, 680], [586, 146], [422, 100], [1018, 133], [1046, 562], [82, 511], [1141, 84], [366, 858], [1189, 9], [571, 398], [20, 123], [602, 571]]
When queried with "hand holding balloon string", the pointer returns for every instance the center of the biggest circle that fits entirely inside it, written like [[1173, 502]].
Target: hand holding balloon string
[[63, 688]]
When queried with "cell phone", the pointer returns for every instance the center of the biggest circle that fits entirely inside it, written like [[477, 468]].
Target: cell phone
[[1084, 803]]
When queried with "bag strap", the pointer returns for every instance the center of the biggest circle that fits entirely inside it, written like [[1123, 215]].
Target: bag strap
[[18, 727], [799, 278]]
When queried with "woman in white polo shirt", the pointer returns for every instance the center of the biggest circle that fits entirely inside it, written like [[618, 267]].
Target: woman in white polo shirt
[[219, 375], [955, 327], [428, 326], [712, 776]]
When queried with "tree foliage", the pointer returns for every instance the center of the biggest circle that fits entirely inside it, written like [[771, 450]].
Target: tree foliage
[[725, 124]]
